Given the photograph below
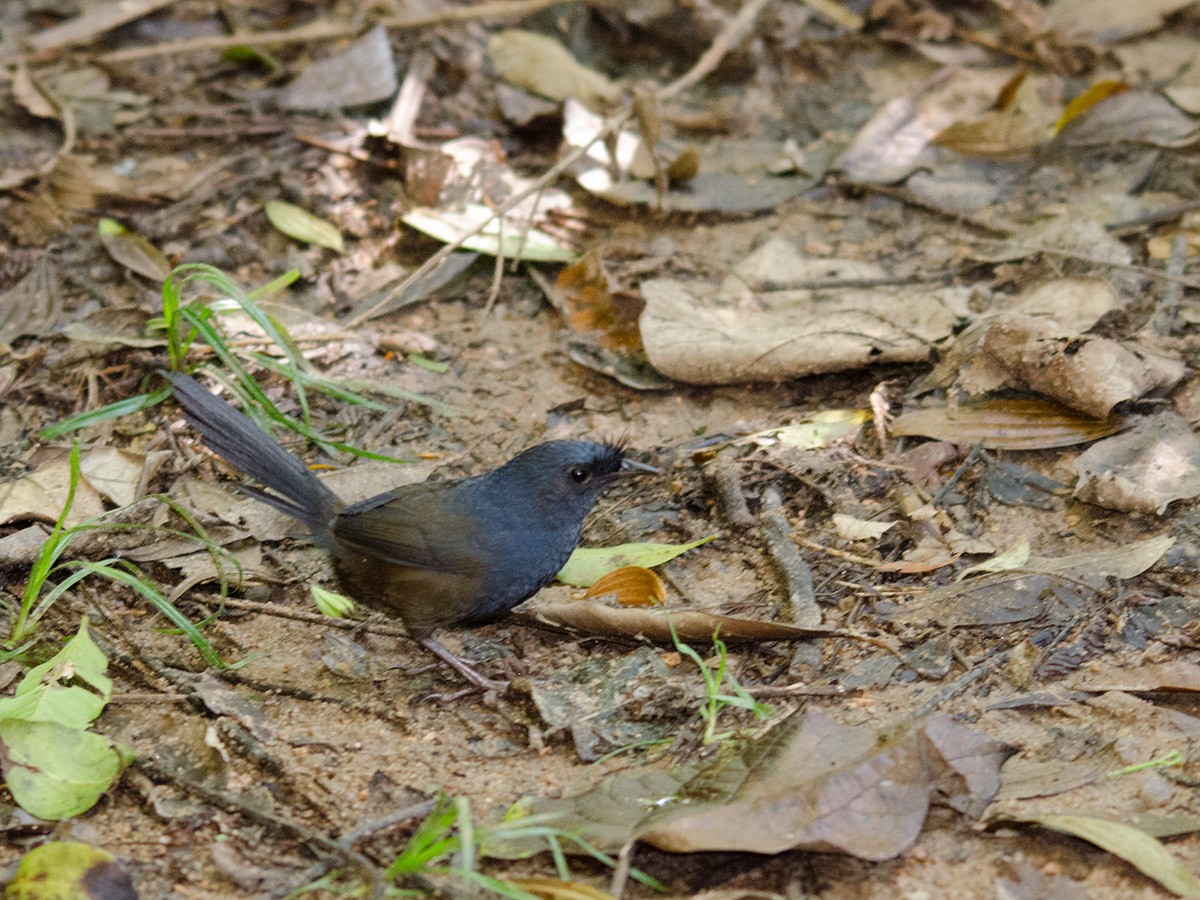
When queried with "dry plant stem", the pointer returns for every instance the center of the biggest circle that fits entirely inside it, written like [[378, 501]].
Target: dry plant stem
[[475, 678], [373, 827], [323, 31], [620, 877], [954, 479], [1166, 316], [229, 801], [821, 284], [838, 554], [498, 270], [1155, 217], [1157, 274], [731, 35], [800, 689], [959, 684], [727, 480], [904, 196], [792, 566], [282, 612]]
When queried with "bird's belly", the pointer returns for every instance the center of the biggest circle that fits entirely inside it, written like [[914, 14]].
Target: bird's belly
[[423, 599]]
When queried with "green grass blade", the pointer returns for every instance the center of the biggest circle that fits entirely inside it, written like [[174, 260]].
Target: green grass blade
[[116, 410]]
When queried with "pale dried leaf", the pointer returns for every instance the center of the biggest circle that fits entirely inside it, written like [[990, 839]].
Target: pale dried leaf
[[852, 529], [364, 72], [541, 65], [1144, 470]]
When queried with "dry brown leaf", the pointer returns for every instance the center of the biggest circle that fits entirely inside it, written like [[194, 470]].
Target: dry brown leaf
[[809, 783], [592, 307], [540, 64], [655, 625], [1134, 117], [41, 495], [133, 251], [1006, 425], [1019, 125], [815, 784], [631, 586], [1110, 20], [1176, 676]]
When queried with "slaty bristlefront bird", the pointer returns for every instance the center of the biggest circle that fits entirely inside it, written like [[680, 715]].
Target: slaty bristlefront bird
[[433, 554]]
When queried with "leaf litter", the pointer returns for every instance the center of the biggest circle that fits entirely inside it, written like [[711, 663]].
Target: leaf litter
[[1007, 226]]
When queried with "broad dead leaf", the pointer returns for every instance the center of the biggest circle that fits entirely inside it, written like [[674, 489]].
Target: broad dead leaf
[[757, 326], [810, 783]]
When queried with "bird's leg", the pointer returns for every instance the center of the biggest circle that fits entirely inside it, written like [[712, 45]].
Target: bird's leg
[[464, 669]]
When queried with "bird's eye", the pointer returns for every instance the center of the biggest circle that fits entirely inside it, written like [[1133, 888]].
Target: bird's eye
[[580, 474]]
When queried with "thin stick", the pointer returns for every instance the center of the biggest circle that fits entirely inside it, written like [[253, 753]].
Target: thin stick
[[324, 31]]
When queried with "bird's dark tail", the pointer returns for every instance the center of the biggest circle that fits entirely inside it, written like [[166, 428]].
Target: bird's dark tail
[[233, 436]]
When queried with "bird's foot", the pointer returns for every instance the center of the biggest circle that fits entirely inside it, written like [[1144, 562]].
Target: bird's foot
[[475, 678]]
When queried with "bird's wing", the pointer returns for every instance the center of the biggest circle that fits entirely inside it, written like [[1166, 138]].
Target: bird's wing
[[419, 526]]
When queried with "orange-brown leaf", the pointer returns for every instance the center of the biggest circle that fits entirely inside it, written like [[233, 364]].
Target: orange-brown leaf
[[631, 585]]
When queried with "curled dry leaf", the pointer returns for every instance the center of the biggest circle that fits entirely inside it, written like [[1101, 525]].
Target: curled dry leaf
[[630, 586], [1017, 127], [1006, 425], [852, 529], [1143, 470], [1088, 373], [1077, 304]]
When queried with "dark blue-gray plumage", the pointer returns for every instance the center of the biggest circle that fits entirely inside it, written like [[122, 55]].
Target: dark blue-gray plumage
[[436, 553]]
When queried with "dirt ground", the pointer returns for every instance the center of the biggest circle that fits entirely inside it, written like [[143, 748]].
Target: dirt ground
[[247, 777]]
